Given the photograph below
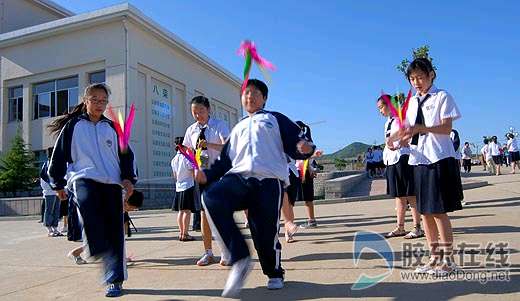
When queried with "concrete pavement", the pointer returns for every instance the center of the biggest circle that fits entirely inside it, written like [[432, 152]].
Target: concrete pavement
[[319, 265]]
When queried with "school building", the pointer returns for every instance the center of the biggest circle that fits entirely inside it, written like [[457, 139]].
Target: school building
[[48, 55]]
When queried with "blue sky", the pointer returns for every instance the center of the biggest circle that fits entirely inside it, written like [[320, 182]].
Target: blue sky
[[334, 57]]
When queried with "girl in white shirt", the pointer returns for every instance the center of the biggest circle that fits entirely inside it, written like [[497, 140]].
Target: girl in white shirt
[[514, 154], [494, 150], [399, 176], [182, 172], [438, 185], [209, 134]]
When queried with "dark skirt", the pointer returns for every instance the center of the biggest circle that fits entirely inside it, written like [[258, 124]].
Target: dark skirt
[[184, 200], [438, 187], [497, 159], [515, 156], [64, 208], [294, 190], [308, 188], [399, 178]]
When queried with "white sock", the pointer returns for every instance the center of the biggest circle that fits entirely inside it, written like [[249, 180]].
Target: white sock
[[209, 252]]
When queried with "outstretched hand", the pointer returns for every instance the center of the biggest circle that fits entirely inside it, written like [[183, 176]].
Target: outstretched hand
[[305, 147]]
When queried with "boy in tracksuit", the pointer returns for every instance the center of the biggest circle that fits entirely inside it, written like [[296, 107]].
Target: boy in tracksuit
[[251, 173]]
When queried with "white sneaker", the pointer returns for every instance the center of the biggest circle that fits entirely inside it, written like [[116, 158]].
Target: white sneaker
[[275, 283], [237, 277], [64, 229], [427, 268], [446, 268]]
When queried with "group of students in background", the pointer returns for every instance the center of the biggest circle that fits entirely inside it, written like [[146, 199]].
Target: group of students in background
[[495, 155], [374, 163]]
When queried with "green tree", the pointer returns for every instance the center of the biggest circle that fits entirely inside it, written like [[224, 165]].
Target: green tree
[[17, 170], [423, 51], [340, 164]]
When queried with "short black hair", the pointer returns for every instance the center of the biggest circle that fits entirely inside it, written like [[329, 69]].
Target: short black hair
[[486, 141], [421, 64], [200, 100], [136, 199], [260, 85]]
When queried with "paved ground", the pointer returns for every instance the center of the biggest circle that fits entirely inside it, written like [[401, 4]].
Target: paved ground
[[319, 266]]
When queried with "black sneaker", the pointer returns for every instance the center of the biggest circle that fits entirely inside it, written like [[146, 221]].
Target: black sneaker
[[114, 290]]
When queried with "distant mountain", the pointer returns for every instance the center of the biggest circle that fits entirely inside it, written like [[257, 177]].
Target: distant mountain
[[350, 151]]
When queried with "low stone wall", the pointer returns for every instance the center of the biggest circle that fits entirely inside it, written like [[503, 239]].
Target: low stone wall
[[339, 187], [20, 206], [157, 196], [323, 177]]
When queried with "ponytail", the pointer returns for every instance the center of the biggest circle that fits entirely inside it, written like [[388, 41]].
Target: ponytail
[[58, 123]]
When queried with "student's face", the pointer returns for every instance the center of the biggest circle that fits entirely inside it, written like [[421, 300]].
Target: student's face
[[421, 81], [200, 113], [252, 99], [96, 103], [383, 108]]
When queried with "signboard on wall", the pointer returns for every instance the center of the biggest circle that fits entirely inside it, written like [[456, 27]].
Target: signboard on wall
[[161, 129]]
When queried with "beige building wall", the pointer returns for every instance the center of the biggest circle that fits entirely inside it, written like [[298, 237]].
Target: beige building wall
[[140, 65], [17, 14], [59, 56], [157, 67]]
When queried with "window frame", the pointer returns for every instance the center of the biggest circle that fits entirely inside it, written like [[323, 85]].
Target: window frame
[[18, 100]]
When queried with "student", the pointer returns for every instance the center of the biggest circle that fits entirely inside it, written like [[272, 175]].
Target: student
[[466, 157], [184, 190], [494, 150], [399, 176], [209, 134], [251, 174], [369, 163], [87, 152], [51, 215], [487, 158], [294, 193], [438, 186], [308, 180], [514, 151]]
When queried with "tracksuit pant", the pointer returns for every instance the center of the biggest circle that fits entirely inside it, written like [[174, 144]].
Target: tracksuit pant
[[51, 215], [101, 213], [263, 198]]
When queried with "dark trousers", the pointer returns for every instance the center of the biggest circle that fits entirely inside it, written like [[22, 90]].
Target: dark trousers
[[101, 210], [264, 201], [74, 229]]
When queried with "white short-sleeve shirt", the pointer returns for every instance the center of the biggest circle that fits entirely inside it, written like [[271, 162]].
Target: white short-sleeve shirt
[[512, 145], [391, 157], [485, 152], [432, 147], [216, 131], [494, 149], [182, 172]]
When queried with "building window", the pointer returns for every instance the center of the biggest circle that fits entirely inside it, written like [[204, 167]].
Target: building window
[[15, 102], [97, 77], [55, 97]]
